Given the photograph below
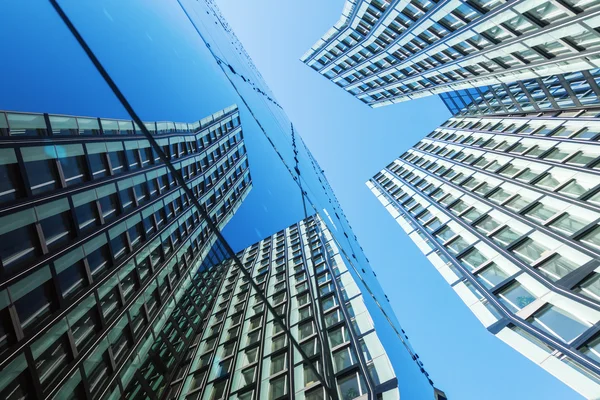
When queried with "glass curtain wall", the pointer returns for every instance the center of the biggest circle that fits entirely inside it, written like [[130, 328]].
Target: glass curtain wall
[[144, 163]]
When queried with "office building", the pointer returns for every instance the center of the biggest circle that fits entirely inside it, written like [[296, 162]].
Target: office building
[[507, 209], [385, 52], [244, 352], [106, 265]]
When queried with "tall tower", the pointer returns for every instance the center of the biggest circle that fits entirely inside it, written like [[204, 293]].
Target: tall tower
[[506, 207], [107, 267], [385, 52], [302, 330]]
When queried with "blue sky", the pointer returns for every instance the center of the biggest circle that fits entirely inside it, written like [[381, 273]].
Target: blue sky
[[352, 142]]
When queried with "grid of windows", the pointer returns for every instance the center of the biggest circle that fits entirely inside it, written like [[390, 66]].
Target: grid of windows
[[245, 354], [556, 92], [387, 52], [107, 268], [506, 208]]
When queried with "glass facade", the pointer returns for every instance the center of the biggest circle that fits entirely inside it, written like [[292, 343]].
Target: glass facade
[[506, 209], [556, 92], [385, 52], [129, 262]]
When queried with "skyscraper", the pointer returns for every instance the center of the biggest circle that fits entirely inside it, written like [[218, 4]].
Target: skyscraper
[[385, 52], [104, 258], [505, 207], [245, 353]]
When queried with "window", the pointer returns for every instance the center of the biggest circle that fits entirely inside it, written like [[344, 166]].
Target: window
[[98, 256], [558, 322], [71, 277], [304, 313], [19, 384], [84, 322], [253, 337], [530, 251], [473, 259], [247, 376], [344, 358], [515, 297], [491, 275], [338, 336], [541, 212], [279, 342], [277, 388], [457, 245], [590, 286], [87, 217], [310, 347], [278, 363], [506, 236], [305, 330], [333, 318], [557, 267], [592, 238], [329, 302], [43, 175], [109, 207], [351, 386], [57, 229], [250, 356], [34, 298], [592, 349], [98, 164], [11, 183], [51, 353], [310, 376], [117, 159], [73, 168], [218, 390], [18, 239]]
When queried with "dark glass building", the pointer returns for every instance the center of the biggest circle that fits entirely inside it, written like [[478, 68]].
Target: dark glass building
[[102, 252], [129, 267]]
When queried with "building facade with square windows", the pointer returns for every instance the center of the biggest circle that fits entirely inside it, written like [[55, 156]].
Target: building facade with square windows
[[107, 268], [385, 52], [507, 209], [245, 353]]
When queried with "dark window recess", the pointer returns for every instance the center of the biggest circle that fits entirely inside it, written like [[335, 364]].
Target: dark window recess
[[98, 164], [11, 184], [99, 261], [110, 208], [126, 196], [118, 162], [74, 170], [132, 160], [72, 280], [18, 246], [7, 335], [43, 176], [87, 217], [36, 306], [58, 230]]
